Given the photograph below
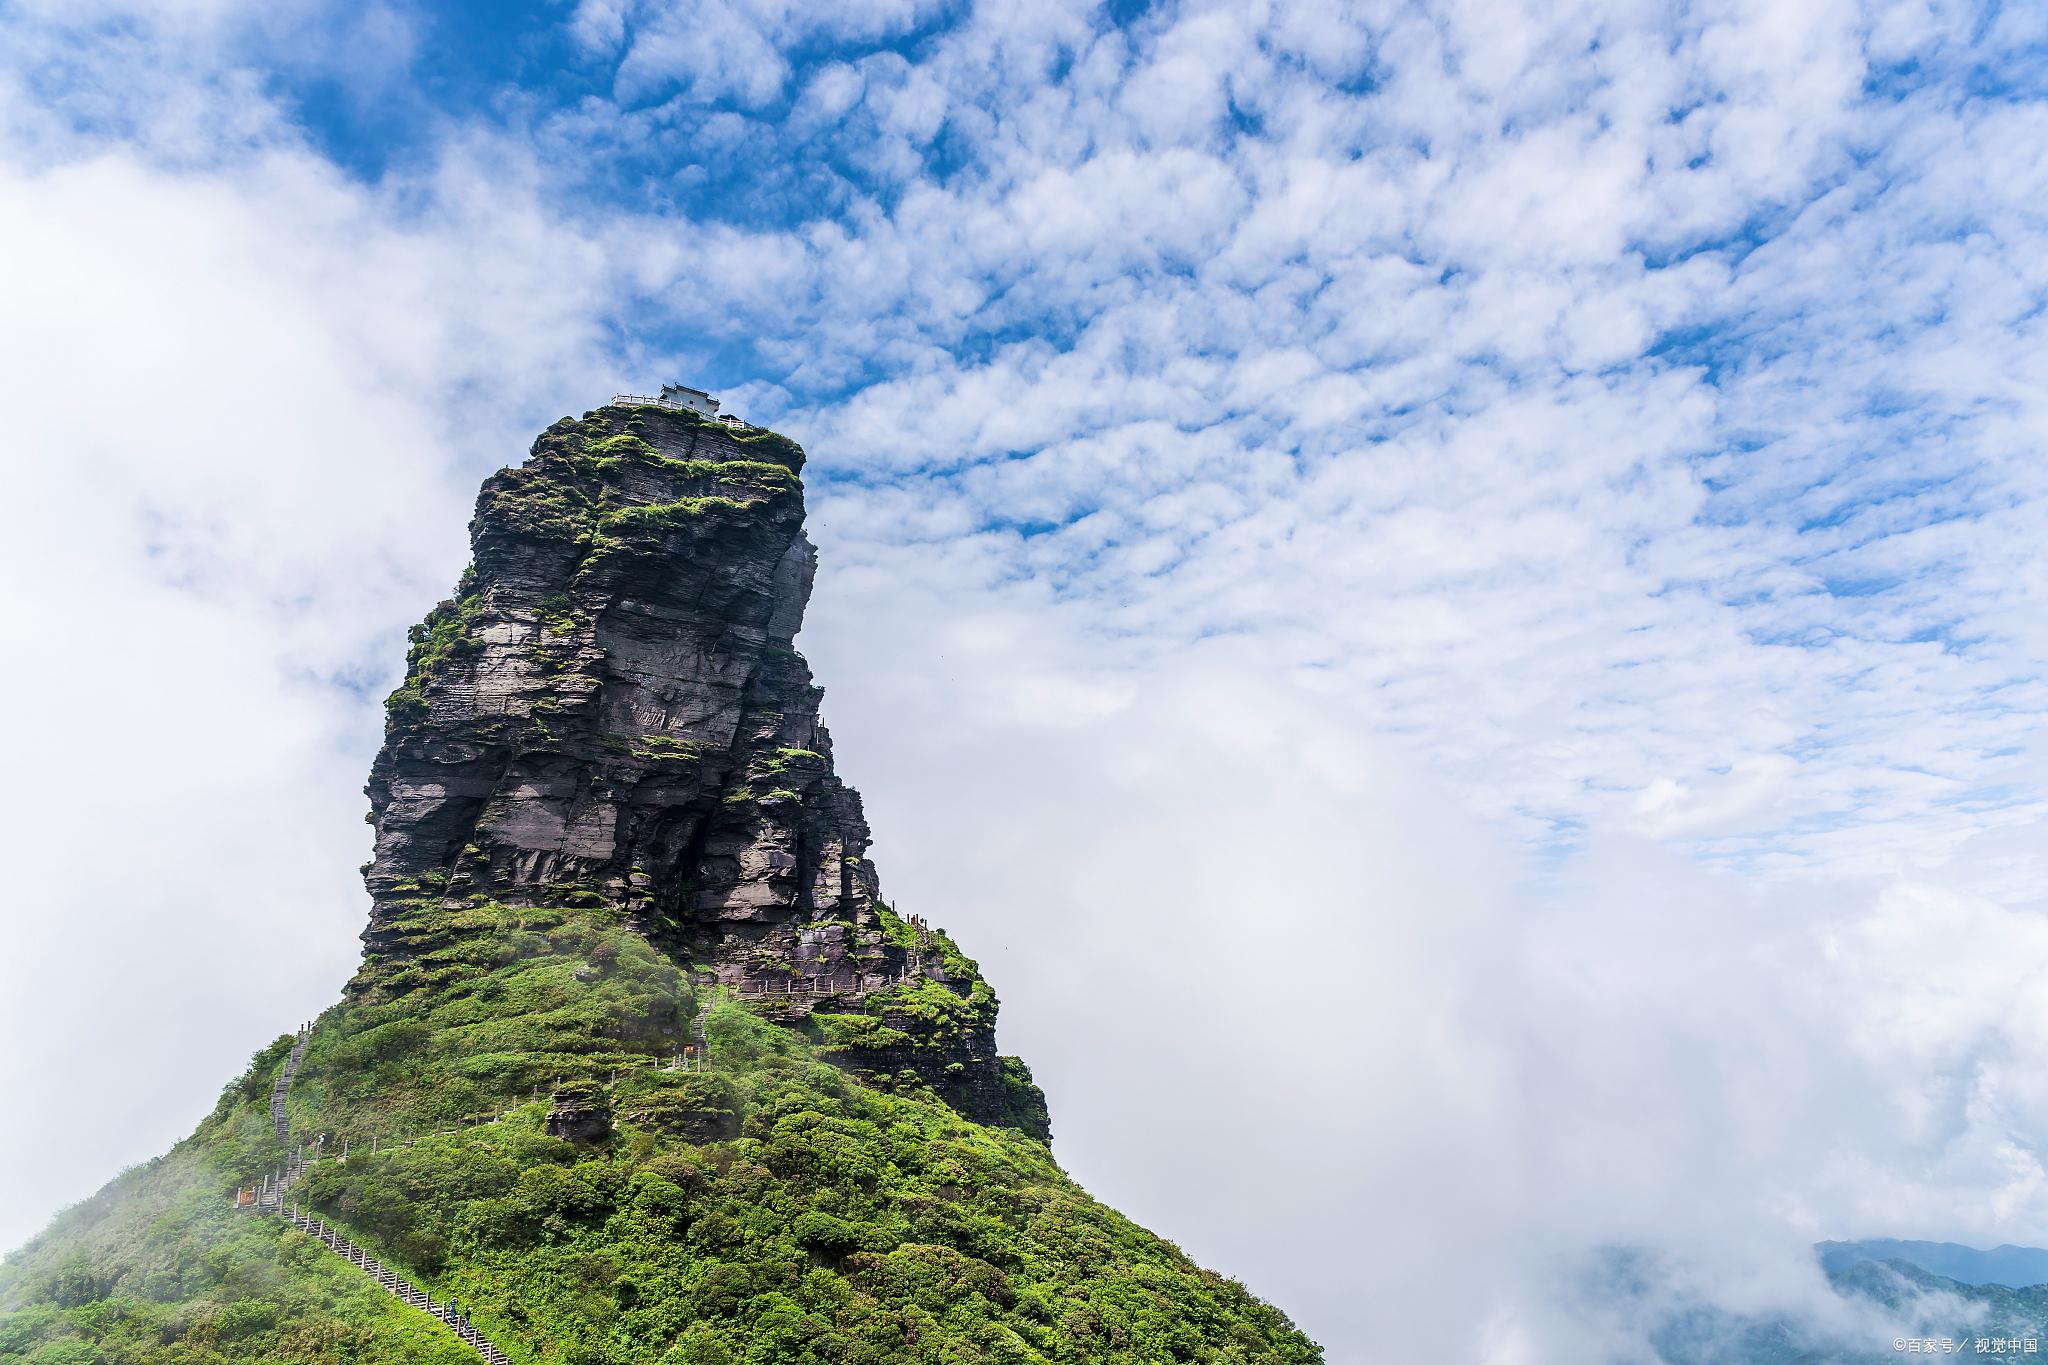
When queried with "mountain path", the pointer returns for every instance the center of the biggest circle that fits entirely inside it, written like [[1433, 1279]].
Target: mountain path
[[268, 1197]]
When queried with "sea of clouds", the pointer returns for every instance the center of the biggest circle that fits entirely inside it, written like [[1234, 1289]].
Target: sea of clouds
[[1448, 595]]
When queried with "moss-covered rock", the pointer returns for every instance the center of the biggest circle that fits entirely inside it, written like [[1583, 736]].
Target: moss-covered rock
[[638, 1065]]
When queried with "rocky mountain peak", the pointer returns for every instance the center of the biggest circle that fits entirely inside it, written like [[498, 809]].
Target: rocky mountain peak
[[610, 716], [639, 1065]]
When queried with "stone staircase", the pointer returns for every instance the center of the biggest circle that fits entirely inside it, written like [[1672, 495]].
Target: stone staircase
[[393, 1283], [699, 1037], [283, 1087], [268, 1195]]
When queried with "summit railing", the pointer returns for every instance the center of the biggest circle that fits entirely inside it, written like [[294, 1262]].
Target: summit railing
[[641, 400]]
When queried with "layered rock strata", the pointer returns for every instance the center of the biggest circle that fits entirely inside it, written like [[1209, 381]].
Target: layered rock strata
[[611, 716]]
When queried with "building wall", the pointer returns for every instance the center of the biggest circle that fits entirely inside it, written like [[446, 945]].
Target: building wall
[[690, 398]]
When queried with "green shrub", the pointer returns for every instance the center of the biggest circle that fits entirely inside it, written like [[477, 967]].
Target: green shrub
[[828, 1220]]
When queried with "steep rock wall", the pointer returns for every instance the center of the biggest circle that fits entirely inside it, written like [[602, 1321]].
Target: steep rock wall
[[611, 714]]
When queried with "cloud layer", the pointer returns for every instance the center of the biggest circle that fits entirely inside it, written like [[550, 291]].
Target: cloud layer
[[1469, 574]]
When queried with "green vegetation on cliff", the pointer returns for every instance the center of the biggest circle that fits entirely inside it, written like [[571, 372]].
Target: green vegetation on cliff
[[773, 1209], [605, 785], [570, 492]]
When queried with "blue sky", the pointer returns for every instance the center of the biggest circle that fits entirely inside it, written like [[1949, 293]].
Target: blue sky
[[1613, 428]]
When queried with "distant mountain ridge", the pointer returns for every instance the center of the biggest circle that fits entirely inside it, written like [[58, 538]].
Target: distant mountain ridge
[[1884, 1308], [2013, 1267]]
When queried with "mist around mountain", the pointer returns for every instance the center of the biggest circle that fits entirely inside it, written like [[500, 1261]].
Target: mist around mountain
[[639, 1065], [1876, 1307], [2010, 1266]]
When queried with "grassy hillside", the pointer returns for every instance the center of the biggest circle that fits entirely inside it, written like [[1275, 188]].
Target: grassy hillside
[[771, 1209]]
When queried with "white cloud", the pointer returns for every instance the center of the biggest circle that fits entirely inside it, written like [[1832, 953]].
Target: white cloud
[[1297, 1009], [1251, 461], [248, 408], [730, 48]]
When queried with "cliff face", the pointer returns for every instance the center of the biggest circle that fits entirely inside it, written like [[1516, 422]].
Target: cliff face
[[612, 707], [639, 1066], [611, 715]]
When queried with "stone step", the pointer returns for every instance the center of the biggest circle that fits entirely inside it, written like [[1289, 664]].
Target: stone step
[[270, 1199], [395, 1284]]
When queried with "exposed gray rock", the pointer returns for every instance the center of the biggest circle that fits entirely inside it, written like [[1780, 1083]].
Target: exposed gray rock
[[611, 715], [580, 1114]]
